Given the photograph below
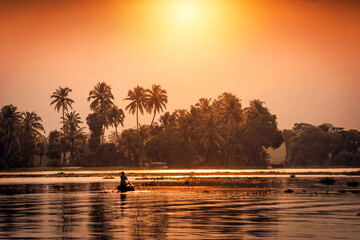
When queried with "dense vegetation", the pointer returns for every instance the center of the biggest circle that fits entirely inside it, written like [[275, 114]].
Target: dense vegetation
[[212, 133], [324, 145]]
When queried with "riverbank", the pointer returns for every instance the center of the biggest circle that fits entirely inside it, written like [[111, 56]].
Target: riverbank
[[113, 172]]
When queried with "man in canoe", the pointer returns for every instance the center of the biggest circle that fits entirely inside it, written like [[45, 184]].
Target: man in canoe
[[125, 185]]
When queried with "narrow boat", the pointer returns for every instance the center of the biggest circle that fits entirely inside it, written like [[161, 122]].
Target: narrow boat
[[126, 188]]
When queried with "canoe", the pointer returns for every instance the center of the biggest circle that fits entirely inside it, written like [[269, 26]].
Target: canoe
[[128, 187]]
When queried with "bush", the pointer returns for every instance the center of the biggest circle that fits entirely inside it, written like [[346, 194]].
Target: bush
[[352, 183], [327, 181]]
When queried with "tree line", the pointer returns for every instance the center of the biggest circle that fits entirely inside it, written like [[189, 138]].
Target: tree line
[[323, 145], [211, 133], [22, 134]]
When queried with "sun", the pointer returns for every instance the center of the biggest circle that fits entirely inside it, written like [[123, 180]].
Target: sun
[[186, 11]]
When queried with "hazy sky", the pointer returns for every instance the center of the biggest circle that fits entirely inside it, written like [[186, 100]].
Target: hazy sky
[[301, 57]]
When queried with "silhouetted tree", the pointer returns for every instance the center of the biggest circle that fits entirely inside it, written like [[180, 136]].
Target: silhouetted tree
[[115, 117], [95, 123], [61, 100], [101, 101], [10, 120], [138, 102], [156, 100]]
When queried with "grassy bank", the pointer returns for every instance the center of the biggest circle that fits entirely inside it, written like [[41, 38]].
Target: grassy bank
[[44, 169]]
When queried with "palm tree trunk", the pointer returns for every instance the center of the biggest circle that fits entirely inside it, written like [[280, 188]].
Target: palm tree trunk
[[7, 146], [64, 147], [153, 118], [63, 119], [206, 151], [7, 153], [117, 135], [137, 119], [71, 152], [102, 137]]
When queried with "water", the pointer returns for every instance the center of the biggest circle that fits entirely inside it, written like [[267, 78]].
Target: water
[[34, 208]]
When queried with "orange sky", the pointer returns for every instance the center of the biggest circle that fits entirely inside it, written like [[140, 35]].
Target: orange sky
[[302, 57]]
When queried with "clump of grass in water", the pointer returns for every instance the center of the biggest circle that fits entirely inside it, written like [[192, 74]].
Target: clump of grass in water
[[352, 173], [352, 183], [327, 180], [288, 191], [109, 177], [149, 184], [59, 187]]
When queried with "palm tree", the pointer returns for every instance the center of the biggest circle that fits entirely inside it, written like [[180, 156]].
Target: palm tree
[[137, 98], [10, 119], [115, 117], [194, 119], [204, 105], [167, 120], [231, 113], [61, 100], [230, 109], [31, 124], [32, 128], [102, 100], [156, 99], [73, 130], [130, 144], [144, 135], [72, 121], [210, 134]]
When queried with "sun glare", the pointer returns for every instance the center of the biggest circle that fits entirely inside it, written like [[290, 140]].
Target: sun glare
[[186, 12]]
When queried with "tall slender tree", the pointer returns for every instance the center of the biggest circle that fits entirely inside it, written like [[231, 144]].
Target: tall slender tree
[[73, 131], [229, 108], [101, 97], [31, 135], [102, 101], [210, 134], [204, 105], [10, 119], [156, 99], [62, 101], [72, 121], [137, 98], [115, 117], [32, 124]]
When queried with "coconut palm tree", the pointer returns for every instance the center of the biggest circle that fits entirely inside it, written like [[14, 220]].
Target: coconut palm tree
[[204, 105], [115, 117], [61, 100], [156, 100], [73, 130], [31, 123], [32, 136], [137, 98], [210, 134], [230, 111], [10, 120], [72, 121], [102, 98], [130, 145], [102, 101], [167, 120]]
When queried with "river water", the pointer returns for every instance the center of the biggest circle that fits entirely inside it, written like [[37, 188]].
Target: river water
[[90, 208]]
